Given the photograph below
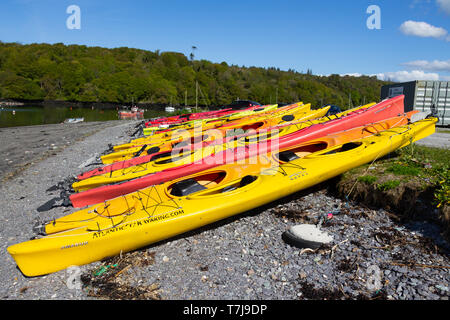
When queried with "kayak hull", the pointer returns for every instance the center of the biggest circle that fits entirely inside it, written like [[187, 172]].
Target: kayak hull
[[143, 219]]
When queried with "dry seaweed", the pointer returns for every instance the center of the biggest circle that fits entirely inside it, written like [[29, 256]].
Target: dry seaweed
[[108, 281]]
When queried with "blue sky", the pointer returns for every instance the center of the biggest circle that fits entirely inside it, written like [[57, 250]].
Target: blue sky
[[327, 36]]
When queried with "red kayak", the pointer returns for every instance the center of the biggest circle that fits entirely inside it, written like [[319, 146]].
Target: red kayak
[[196, 116], [183, 117], [379, 112]]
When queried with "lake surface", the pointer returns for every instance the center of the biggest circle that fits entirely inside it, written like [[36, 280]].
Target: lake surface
[[35, 115]]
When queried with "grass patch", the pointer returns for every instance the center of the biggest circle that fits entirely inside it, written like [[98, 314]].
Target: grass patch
[[368, 179], [421, 155], [434, 163], [404, 169], [423, 166], [388, 185]]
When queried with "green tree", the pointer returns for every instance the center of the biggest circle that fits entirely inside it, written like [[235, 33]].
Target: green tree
[[81, 73]]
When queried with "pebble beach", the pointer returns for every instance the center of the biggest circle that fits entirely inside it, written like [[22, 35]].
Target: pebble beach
[[372, 256]]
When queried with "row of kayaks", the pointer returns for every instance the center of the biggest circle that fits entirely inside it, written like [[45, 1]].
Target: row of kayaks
[[165, 122], [176, 179]]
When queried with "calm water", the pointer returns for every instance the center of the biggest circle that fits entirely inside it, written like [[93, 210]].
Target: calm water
[[34, 115]]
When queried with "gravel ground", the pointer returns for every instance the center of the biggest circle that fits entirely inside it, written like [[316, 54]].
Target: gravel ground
[[23, 146], [440, 139], [25, 191], [372, 256]]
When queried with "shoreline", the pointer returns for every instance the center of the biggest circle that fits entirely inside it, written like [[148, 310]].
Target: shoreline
[[96, 104], [25, 145]]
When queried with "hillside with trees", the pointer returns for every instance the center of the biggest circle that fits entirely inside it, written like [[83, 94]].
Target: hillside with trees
[[121, 75]]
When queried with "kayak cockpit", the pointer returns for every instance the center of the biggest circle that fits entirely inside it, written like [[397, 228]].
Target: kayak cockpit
[[208, 185], [346, 147], [300, 152], [201, 182]]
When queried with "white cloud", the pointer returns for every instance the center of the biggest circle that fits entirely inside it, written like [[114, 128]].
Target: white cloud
[[444, 5], [422, 29], [356, 74], [436, 65], [405, 76]]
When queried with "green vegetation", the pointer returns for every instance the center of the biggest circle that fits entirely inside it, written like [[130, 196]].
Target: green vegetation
[[388, 185], [424, 156], [367, 179], [442, 193], [415, 166], [429, 165], [94, 74], [433, 164], [404, 169]]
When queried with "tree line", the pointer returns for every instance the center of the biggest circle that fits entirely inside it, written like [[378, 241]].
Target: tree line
[[121, 75]]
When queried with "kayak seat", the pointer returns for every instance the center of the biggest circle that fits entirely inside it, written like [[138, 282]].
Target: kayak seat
[[186, 187], [345, 147], [244, 181], [161, 155], [229, 188], [287, 156], [349, 146]]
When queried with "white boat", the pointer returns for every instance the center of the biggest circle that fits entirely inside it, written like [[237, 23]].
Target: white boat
[[74, 120]]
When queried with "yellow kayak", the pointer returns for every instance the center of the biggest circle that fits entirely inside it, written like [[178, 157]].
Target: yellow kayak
[[163, 211], [301, 122], [233, 116], [197, 133], [184, 156], [206, 124], [187, 155], [168, 136], [200, 135], [101, 194]]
